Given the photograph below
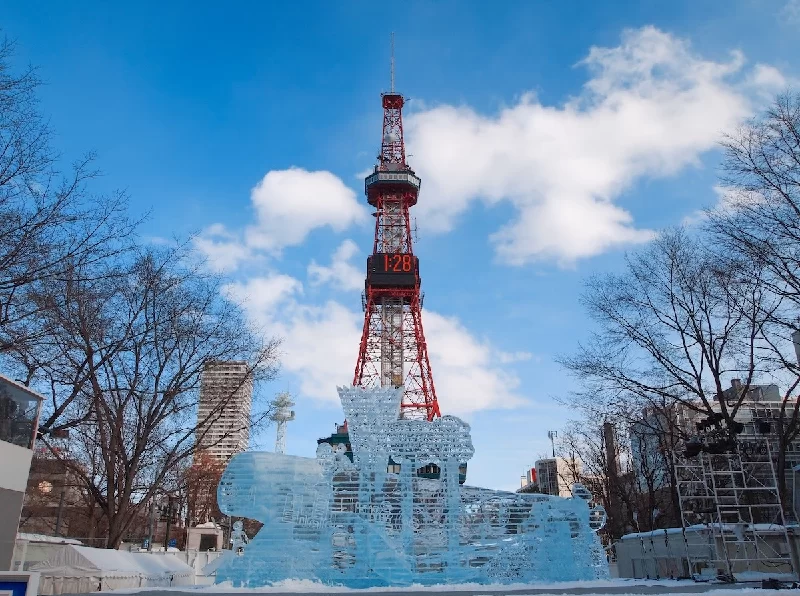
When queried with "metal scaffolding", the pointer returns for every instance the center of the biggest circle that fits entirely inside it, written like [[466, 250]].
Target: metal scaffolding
[[731, 515]]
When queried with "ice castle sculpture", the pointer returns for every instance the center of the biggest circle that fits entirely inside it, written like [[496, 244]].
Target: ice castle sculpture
[[359, 525]]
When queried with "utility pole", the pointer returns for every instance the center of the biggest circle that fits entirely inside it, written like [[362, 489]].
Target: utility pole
[[169, 521], [60, 513], [152, 522]]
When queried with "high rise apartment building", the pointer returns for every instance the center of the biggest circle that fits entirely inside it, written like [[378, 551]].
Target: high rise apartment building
[[223, 415]]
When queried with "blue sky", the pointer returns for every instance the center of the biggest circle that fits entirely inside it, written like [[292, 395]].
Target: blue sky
[[550, 139]]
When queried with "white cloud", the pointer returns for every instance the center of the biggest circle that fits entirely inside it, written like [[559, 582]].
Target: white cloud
[[321, 346], [727, 199], [222, 249], [766, 81], [465, 372], [791, 12], [158, 240], [289, 204], [341, 273], [262, 296], [510, 357], [650, 108], [769, 77]]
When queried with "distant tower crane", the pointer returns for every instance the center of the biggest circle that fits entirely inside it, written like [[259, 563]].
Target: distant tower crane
[[282, 413]]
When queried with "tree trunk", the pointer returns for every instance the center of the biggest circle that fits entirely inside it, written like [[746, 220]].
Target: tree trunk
[[651, 503]]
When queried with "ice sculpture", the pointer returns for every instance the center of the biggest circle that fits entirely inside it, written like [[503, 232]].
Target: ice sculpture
[[358, 524], [239, 538]]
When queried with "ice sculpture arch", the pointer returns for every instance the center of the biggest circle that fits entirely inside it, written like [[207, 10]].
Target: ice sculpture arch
[[357, 524]]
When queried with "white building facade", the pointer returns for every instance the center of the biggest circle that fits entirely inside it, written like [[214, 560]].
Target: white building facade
[[556, 475], [223, 414]]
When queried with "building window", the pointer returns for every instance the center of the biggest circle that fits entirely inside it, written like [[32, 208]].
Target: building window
[[18, 413]]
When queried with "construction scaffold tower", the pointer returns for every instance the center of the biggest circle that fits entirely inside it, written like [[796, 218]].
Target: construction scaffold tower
[[732, 520]]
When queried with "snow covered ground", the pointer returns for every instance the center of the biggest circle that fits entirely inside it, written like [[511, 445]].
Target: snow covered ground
[[617, 587]]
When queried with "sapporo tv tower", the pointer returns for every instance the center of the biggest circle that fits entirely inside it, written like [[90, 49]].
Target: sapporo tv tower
[[393, 352]]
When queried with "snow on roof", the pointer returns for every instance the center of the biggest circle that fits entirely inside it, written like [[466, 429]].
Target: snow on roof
[[109, 560], [652, 533], [764, 528], [162, 563], [46, 538]]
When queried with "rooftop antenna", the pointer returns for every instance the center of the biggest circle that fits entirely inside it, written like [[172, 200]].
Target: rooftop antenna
[[392, 62]]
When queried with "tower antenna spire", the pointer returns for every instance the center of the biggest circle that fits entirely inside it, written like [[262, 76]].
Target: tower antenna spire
[[392, 90]]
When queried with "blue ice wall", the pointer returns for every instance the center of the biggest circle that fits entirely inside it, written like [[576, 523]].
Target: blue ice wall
[[355, 524]]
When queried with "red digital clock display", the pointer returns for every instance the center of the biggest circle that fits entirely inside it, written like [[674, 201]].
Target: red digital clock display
[[392, 269], [395, 263]]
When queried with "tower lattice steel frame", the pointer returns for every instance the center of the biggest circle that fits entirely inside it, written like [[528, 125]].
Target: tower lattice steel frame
[[393, 351]]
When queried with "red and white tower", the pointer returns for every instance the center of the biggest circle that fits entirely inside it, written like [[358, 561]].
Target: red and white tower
[[393, 351]]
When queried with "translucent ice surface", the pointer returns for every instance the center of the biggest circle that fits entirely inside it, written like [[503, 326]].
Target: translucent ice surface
[[359, 525]]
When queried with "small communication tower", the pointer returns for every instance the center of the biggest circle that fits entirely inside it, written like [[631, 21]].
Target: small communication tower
[[282, 413]]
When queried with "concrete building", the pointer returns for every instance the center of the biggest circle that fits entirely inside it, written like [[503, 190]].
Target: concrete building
[[19, 420], [757, 413], [57, 502], [205, 537], [651, 440], [223, 416], [528, 483], [556, 475]]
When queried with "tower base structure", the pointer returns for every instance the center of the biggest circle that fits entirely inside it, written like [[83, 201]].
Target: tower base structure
[[361, 523]]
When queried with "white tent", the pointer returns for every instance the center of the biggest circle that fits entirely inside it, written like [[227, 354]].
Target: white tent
[[79, 569]]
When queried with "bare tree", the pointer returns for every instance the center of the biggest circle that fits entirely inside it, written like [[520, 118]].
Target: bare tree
[[123, 362], [759, 224], [115, 336], [48, 221], [653, 438], [674, 328], [200, 482], [57, 502], [582, 446]]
